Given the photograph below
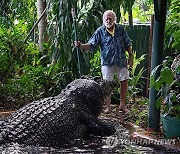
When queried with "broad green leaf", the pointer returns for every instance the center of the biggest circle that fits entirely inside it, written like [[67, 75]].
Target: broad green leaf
[[1, 31], [158, 83], [167, 75], [159, 102]]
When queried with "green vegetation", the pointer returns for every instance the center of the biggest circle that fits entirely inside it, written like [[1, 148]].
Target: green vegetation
[[168, 86], [27, 74], [173, 27]]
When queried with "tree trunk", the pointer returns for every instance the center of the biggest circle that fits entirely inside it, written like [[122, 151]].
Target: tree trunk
[[130, 17], [41, 5]]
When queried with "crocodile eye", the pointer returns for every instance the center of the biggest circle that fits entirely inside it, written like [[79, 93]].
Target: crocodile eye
[[73, 105]]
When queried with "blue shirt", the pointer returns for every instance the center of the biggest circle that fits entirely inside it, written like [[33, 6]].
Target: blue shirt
[[112, 47]]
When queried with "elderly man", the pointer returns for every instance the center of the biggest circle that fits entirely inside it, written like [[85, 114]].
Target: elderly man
[[113, 41]]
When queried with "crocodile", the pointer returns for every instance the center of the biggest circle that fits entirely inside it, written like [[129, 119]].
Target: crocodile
[[53, 121]]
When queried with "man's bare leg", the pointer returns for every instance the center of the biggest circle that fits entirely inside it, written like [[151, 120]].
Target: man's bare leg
[[123, 91]]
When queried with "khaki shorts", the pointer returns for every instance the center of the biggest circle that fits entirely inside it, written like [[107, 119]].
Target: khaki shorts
[[108, 72]]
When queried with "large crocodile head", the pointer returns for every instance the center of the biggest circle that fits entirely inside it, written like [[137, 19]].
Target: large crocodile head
[[92, 91], [107, 88]]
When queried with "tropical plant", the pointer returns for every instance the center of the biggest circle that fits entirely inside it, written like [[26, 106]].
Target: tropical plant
[[168, 87], [135, 80], [12, 49], [95, 69], [26, 74], [173, 27], [142, 10], [12, 11]]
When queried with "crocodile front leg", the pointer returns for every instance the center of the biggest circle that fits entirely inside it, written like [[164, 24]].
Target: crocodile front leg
[[95, 126]]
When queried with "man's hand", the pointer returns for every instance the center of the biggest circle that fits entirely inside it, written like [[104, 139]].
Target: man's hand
[[77, 44], [82, 45]]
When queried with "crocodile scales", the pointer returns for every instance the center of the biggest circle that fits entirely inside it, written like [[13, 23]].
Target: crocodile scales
[[56, 120]]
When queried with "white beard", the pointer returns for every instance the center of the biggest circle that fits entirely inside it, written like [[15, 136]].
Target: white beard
[[108, 25]]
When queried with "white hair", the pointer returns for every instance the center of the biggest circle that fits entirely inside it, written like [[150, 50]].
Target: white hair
[[110, 12]]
